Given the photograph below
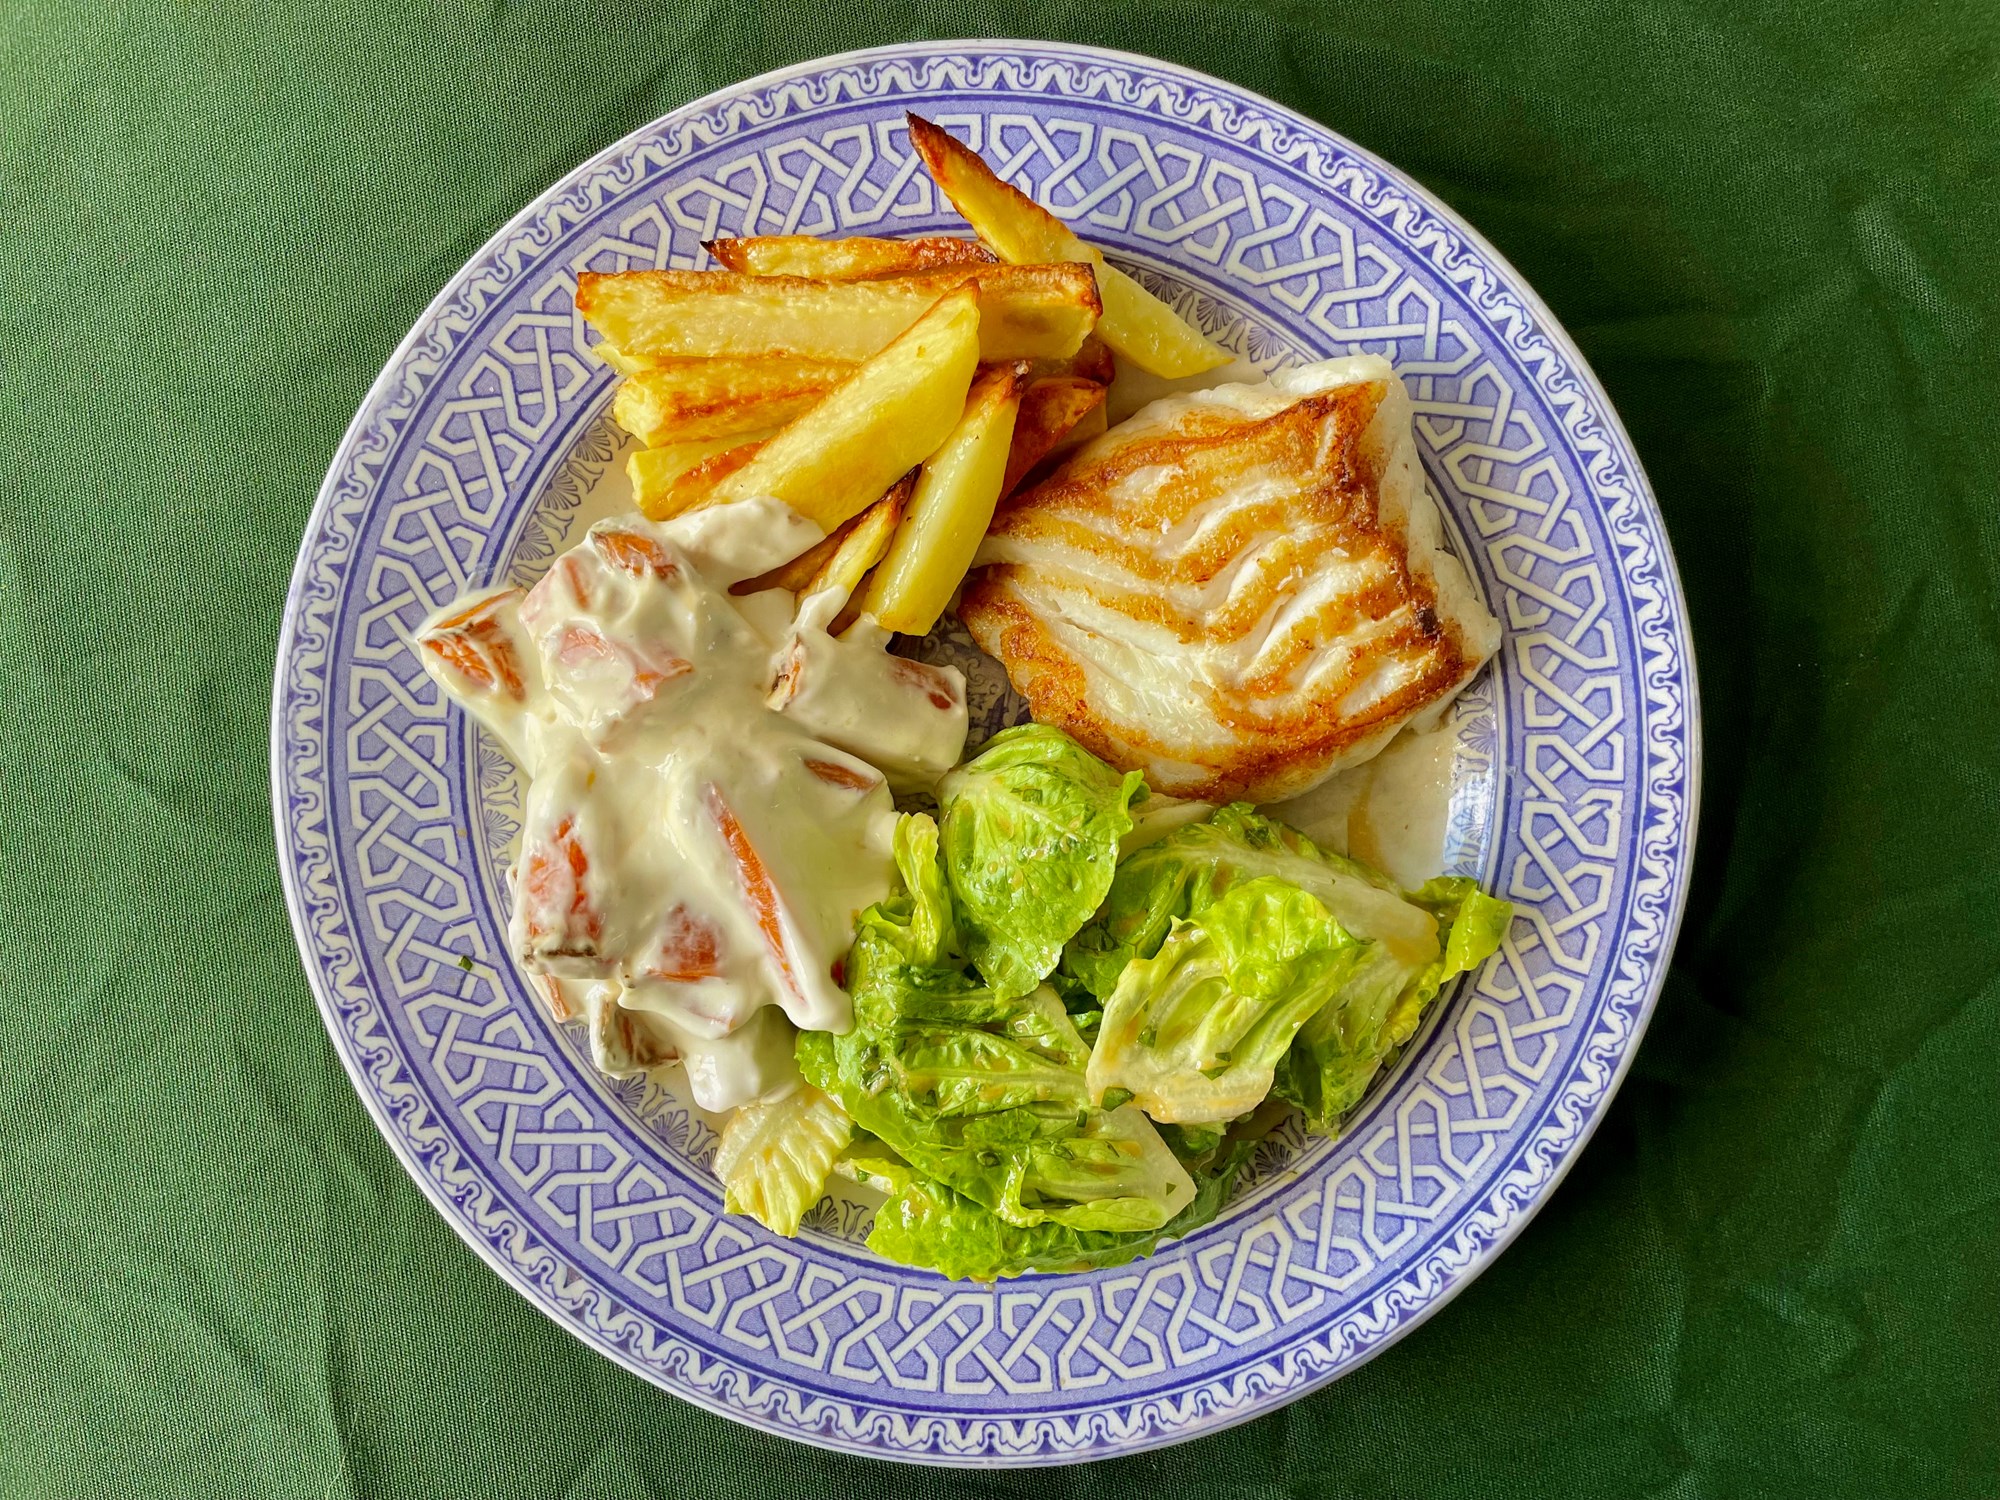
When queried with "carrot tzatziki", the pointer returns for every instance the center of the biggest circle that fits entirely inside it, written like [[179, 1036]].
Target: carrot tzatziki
[[696, 846]]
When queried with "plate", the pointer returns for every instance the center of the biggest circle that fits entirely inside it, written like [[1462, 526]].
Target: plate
[[487, 440]]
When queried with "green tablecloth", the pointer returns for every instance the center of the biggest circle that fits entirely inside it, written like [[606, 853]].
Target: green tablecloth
[[1772, 228]]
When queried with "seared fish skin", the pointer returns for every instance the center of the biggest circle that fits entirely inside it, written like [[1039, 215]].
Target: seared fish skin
[[1239, 591]]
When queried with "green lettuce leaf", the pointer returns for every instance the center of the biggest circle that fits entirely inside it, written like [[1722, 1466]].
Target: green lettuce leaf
[[1195, 865], [914, 925], [872, 1163], [1030, 1162], [933, 930], [983, 1093], [1474, 922], [1030, 836], [926, 1224], [1342, 1047], [1407, 945], [774, 1158], [1194, 1032]]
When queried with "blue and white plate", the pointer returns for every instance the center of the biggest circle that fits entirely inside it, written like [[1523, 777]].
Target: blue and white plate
[[488, 439]]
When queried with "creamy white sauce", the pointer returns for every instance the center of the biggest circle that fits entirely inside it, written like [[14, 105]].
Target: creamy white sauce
[[692, 859], [1389, 812], [907, 717]]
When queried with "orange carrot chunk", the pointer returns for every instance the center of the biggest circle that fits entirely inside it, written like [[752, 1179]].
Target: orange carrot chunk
[[474, 644], [833, 773], [690, 948], [758, 889], [556, 895], [552, 990], [634, 553]]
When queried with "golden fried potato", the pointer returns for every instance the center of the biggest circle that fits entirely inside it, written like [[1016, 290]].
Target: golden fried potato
[[1093, 424], [794, 576], [1050, 410], [625, 364], [886, 418], [678, 401], [1092, 361], [669, 480], [1136, 323], [856, 258], [950, 511], [1025, 312], [866, 544]]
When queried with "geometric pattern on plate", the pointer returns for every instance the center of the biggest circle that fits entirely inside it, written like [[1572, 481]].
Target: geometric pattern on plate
[[1574, 793]]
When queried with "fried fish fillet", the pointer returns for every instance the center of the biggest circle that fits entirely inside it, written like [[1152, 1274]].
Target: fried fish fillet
[[1238, 591]]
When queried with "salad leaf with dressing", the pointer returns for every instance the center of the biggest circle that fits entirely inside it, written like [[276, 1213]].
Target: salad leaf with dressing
[[1008, 1062], [983, 1093], [927, 1224], [1401, 949], [1194, 1032], [775, 1155], [1030, 832], [1189, 869], [1341, 1048]]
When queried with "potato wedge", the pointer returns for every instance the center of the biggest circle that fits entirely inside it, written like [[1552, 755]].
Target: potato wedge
[[856, 258], [625, 364], [950, 511], [866, 544], [793, 576], [1136, 323], [1049, 410], [1025, 312], [678, 401], [1092, 361], [1093, 424], [887, 417], [851, 610], [669, 480]]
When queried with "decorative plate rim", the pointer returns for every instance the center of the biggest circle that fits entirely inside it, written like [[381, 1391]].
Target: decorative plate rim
[[1676, 862]]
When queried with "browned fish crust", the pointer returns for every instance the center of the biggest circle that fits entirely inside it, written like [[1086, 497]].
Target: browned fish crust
[[1275, 727]]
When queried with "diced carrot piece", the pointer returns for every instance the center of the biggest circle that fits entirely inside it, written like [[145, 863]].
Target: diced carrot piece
[[552, 991], [634, 553], [556, 896], [833, 773], [690, 948], [581, 644], [643, 1045], [471, 612], [562, 588], [463, 657], [651, 673], [475, 645], [758, 889], [926, 679]]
